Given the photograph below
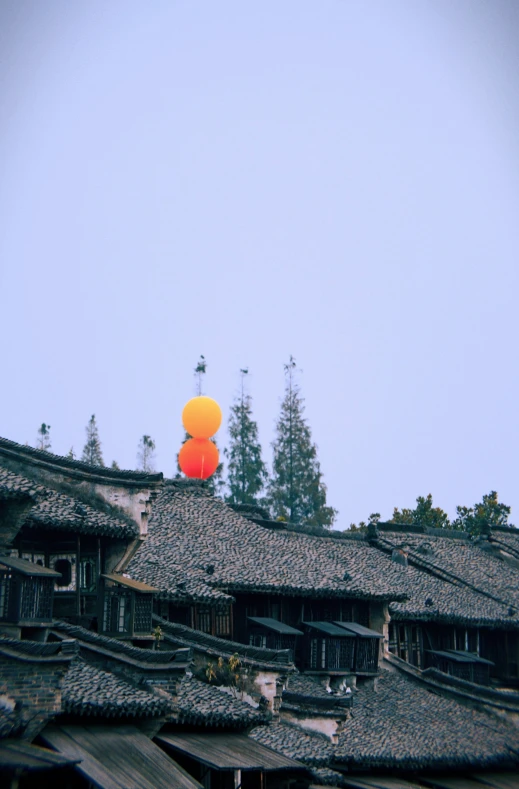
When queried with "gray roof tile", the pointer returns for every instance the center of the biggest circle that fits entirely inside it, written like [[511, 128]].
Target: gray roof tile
[[304, 746], [199, 541], [400, 723], [204, 704], [88, 690], [454, 580], [56, 510]]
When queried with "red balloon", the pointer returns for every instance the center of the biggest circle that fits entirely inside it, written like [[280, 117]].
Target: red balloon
[[198, 458]]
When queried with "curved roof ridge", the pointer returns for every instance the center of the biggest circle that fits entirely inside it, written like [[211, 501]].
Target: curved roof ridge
[[41, 457]]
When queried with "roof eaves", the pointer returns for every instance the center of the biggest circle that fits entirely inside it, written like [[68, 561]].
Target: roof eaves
[[38, 457]]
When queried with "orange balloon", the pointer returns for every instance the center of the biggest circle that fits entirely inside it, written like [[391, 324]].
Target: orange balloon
[[201, 417], [198, 458]]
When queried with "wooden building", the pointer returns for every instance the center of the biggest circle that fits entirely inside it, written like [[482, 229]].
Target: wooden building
[[142, 619]]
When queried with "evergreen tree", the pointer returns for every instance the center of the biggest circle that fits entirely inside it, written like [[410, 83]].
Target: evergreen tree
[[146, 454], [489, 512], [362, 528], [424, 514], [92, 449], [71, 454], [43, 440], [296, 490], [247, 473], [115, 466]]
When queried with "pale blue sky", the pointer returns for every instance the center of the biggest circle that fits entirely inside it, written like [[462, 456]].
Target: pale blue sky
[[334, 180]]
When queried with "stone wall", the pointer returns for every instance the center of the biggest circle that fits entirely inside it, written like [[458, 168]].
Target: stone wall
[[32, 689]]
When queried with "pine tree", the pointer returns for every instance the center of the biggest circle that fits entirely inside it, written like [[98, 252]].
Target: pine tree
[[296, 491], [43, 440], [92, 449], [487, 513], [247, 473], [71, 454], [423, 515], [146, 454]]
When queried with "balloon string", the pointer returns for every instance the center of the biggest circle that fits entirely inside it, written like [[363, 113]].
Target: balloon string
[[202, 469]]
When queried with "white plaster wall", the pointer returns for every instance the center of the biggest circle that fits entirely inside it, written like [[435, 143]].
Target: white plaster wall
[[266, 684], [135, 502]]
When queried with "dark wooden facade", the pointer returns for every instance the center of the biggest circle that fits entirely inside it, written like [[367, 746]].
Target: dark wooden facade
[[341, 647], [79, 560], [272, 634], [464, 665], [412, 641], [26, 592], [241, 622], [125, 607], [74, 587], [328, 647]]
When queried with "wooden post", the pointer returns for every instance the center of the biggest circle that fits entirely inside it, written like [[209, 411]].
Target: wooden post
[[237, 779], [100, 604], [132, 613], [78, 576]]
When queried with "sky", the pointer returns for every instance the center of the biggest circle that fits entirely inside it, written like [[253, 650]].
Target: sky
[[333, 180]]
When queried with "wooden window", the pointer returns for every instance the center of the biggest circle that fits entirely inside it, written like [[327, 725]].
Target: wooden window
[[25, 599], [204, 619], [116, 611], [222, 623], [64, 563], [314, 653], [88, 574], [393, 640], [5, 588], [416, 647], [403, 651], [473, 640], [143, 613]]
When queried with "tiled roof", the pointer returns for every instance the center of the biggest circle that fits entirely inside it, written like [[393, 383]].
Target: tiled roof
[[323, 776], [56, 510], [307, 685], [38, 651], [59, 511], [304, 746], [462, 562], [38, 457], [88, 690], [399, 723], [121, 648], [306, 694], [433, 599], [13, 485], [198, 540], [8, 721], [506, 540], [183, 636], [203, 704]]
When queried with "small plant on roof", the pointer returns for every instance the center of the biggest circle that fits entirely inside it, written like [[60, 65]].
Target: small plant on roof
[[158, 636], [228, 674]]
